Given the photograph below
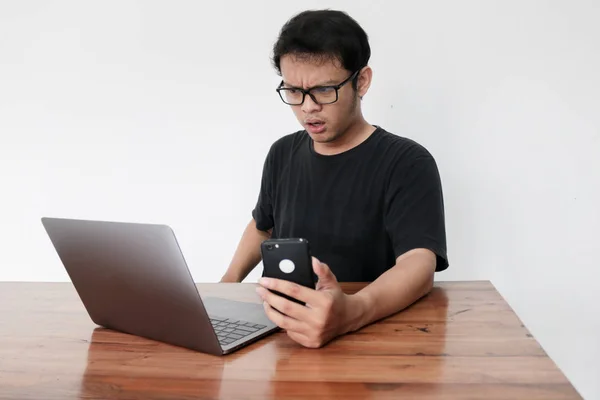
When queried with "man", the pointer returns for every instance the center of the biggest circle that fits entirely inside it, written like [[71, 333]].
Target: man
[[369, 202]]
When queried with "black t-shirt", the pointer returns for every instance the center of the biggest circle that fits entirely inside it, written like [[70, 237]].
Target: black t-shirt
[[360, 209]]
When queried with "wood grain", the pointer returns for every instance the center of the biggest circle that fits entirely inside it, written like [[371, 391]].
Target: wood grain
[[460, 342]]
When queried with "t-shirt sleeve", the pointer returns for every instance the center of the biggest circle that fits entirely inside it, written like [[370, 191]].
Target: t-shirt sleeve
[[414, 208], [263, 211]]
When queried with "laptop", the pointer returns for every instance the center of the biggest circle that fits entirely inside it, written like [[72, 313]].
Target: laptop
[[133, 278]]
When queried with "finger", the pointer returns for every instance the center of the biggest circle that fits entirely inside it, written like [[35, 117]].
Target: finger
[[282, 321], [291, 289], [283, 305], [326, 278]]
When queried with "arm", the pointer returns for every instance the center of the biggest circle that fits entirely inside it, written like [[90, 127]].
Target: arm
[[247, 254], [414, 218], [399, 287], [331, 312]]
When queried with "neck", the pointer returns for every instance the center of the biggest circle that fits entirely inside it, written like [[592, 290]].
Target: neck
[[354, 135]]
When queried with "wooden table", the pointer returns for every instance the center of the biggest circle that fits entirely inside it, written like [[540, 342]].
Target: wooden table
[[461, 342]]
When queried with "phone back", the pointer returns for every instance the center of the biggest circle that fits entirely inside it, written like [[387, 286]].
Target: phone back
[[288, 259]]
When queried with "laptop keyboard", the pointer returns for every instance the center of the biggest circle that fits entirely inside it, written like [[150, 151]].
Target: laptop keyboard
[[230, 330]]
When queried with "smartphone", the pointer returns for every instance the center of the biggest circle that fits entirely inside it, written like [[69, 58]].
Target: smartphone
[[288, 259]]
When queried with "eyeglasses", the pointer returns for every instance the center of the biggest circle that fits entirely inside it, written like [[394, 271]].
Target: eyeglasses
[[318, 94]]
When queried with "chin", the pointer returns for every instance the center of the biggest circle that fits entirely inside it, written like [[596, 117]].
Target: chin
[[322, 137]]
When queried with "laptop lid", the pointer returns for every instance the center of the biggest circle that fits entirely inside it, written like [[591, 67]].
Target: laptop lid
[[133, 278]]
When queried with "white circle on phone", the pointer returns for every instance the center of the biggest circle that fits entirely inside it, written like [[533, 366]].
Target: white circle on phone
[[287, 266]]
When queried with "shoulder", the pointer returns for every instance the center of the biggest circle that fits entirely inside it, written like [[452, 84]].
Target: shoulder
[[406, 163], [287, 144], [401, 152], [289, 141]]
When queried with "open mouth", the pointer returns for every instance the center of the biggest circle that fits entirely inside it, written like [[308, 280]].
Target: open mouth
[[315, 127]]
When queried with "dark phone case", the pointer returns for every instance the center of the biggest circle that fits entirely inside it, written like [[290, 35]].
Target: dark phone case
[[296, 250]]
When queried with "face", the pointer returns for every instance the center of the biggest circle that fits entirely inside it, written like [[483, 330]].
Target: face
[[328, 122]]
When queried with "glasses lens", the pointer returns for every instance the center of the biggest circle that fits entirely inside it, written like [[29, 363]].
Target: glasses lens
[[324, 95], [291, 96]]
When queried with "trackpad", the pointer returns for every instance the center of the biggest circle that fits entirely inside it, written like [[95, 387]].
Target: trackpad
[[238, 310]]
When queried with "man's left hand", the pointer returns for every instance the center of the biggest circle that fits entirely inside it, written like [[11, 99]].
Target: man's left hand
[[328, 312]]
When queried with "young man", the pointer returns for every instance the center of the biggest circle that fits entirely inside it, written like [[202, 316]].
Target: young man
[[369, 202]]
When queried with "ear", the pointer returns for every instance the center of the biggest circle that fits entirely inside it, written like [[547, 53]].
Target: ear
[[364, 81]]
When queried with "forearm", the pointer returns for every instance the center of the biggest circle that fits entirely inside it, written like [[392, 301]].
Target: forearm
[[247, 254], [399, 287]]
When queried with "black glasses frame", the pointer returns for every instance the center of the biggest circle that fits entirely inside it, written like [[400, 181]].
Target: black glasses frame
[[305, 92]]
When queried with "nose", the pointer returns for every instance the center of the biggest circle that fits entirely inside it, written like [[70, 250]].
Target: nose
[[309, 105]]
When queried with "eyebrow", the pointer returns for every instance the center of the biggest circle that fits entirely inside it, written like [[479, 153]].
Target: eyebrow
[[327, 83]]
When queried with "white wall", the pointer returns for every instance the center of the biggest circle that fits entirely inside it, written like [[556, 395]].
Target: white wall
[[163, 112]]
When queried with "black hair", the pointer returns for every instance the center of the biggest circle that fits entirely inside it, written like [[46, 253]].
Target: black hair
[[324, 35]]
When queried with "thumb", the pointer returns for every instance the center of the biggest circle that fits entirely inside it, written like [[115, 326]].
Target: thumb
[[327, 279]]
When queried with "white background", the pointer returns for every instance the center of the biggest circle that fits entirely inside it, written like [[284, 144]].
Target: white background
[[164, 111]]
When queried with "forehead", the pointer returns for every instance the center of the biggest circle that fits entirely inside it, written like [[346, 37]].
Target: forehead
[[306, 71]]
